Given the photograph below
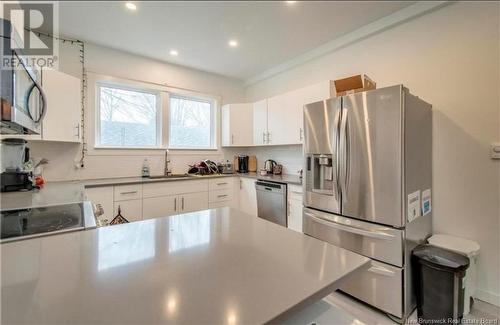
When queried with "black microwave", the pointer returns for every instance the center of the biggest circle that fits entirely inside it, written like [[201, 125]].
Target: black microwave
[[23, 102]]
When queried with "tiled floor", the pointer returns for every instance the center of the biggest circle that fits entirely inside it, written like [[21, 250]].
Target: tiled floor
[[364, 314], [340, 309]]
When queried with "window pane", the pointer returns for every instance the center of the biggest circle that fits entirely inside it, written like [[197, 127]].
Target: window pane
[[128, 118], [190, 123]]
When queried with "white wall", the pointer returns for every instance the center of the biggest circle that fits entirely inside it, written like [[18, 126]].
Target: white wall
[[450, 58], [289, 156], [107, 61]]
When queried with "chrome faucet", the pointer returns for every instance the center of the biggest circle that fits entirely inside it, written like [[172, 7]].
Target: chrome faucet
[[166, 172]]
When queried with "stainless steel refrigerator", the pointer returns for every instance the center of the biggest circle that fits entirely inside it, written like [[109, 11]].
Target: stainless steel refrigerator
[[368, 187]]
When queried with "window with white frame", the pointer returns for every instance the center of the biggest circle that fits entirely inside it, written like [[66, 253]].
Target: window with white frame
[[191, 123], [128, 117], [139, 117]]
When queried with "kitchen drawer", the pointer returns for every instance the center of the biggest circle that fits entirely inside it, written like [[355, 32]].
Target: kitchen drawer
[[213, 205], [295, 192], [381, 285], [220, 195], [382, 243], [127, 192], [174, 187], [220, 183]]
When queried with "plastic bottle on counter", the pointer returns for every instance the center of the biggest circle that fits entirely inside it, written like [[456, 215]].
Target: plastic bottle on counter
[[145, 168]]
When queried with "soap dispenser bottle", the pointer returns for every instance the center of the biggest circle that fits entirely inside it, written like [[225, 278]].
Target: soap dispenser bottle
[[145, 168]]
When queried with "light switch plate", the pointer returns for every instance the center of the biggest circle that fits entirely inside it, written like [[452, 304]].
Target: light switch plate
[[495, 151]]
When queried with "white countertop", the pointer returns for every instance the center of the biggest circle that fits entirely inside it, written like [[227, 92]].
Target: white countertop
[[289, 179], [210, 267], [64, 192], [53, 193]]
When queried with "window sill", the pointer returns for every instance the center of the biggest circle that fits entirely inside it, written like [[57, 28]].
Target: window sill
[[194, 149], [154, 148], [128, 148]]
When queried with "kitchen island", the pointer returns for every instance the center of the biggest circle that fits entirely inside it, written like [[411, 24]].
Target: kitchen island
[[216, 266]]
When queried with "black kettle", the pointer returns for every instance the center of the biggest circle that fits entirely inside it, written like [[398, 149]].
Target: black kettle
[[269, 165]]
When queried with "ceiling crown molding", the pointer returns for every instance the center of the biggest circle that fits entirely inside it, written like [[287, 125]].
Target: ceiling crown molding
[[418, 9]]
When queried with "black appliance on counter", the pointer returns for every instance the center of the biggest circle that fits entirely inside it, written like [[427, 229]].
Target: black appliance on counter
[[242, 164], [27, 223], [14, 153]]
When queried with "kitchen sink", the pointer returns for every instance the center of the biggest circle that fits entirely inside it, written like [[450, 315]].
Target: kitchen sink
[[169, 176]]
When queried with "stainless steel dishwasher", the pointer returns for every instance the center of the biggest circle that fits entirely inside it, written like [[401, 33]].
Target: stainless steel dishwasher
[[271, 201]]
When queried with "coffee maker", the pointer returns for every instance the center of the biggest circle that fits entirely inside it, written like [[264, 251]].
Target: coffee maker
[[13, 176], [242, 164]]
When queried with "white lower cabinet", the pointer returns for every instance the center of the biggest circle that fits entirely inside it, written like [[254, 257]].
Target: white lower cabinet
[[193, 202], [168, 198], [295, 207], [155, 207], [248, 196], [130, 209], [160, 199]]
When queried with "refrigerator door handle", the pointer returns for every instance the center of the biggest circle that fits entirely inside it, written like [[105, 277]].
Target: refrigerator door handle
[[381, 270], [336, 136], [344, 160], [351, 229]]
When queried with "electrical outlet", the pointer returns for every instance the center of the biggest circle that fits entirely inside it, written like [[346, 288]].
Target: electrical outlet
[[495, 151]]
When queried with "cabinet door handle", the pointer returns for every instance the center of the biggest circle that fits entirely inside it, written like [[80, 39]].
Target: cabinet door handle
[[232, 138], [221, 196], [263, 137], [175, 204], [130, 192], [182, 203], [77, 131], [301, 136], [221, 184]]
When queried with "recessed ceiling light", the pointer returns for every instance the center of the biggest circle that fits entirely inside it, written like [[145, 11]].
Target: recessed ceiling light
[[174, 53], [130, 6], [290, 2], [233, 43]]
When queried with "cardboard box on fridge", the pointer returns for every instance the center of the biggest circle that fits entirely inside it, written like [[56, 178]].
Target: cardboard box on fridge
[[354, 84]]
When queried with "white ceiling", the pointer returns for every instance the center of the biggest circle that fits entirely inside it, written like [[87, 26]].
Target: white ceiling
[[269, 33]]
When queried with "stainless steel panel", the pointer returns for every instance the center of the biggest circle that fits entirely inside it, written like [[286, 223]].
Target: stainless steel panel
[[371, 240], [371, 156], [380, 286], [418, 176], [271, 202], [321, 127], [418, 146]]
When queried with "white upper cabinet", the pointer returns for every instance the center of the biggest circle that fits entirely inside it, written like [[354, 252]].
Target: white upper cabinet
[[237, 125], [260, 122], [285, 112], [63, 92], [277, 120]]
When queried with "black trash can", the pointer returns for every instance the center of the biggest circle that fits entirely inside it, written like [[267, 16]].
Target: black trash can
[[439, 283]]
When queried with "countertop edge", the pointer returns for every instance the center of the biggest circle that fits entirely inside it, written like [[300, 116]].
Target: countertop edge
[[124, 181], [318, 295]]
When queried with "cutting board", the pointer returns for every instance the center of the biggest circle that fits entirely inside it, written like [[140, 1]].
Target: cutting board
[[235, 164], [252, 163]]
